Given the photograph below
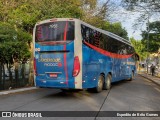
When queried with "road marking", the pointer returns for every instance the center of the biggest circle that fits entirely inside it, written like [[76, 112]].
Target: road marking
[[17, 90]]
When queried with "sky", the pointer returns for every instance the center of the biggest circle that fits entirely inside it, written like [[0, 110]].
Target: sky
[[127, 19]]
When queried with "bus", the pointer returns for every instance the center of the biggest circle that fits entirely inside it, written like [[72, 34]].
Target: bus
[[71, 54]]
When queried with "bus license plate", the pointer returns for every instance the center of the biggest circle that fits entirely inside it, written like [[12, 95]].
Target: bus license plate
[[53, 75]]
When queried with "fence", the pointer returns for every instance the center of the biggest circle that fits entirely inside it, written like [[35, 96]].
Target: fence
[[15, 78]]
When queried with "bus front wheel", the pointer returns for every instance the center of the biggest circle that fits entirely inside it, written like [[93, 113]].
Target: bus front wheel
[[107, 82], [100, 84]]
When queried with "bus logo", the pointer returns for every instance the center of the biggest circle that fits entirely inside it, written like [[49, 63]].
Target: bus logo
[[57, 60], [53, 64]]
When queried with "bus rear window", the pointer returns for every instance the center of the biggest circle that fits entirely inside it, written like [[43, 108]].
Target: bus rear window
[[55, 31]]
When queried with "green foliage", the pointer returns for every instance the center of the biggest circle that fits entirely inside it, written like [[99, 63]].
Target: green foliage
[[6, 7], [68, 8], [139, 48], [155, 27], [13, 44], [116, 28], [24, 16], [154, 37], [7, 32], [23, 37], [60, 8]]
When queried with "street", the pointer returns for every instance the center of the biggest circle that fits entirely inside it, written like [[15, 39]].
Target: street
[[139, 94]]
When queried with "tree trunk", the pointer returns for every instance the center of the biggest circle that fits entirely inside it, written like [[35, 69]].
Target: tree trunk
[[31, 75], [10, 74], [4, 78], [0, 76], [16, 74], [23, 73]]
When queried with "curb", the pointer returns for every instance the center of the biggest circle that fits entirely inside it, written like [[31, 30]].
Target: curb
[[150, 80], [17, 90]]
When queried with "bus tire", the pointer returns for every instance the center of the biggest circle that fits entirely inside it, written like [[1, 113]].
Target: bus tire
[[107, 82], [99, 87], [132, 76]]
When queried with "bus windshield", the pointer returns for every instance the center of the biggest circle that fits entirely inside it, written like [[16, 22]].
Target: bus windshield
[[55, 31]]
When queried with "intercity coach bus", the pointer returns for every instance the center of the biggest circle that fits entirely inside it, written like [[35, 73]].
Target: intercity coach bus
[[71, 54]]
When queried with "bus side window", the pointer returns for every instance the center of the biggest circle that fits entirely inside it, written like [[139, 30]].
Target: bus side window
[[85, 33], [105, 41], [91, 36], [101, 41], [114, 45], [96, 38]]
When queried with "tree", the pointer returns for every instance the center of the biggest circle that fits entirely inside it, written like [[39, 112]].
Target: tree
[[139, 48], [146, 8], [152, 5], [116, 28], [14, 48], [6, 7], [24, 14], [154, 36], [94, 13], [7, 33]]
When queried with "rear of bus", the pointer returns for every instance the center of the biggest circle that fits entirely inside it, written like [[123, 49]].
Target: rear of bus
[[57, 61]]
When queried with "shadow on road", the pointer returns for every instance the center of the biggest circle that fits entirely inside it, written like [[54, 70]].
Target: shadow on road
[[72, 94], [120, 83]]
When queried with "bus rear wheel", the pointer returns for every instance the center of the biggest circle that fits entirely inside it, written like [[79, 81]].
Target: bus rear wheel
[[132, 76], [99, 87], [107, 82]]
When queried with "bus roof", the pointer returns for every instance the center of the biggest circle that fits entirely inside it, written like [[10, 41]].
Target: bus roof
[[56, 19], [108, 33], [98, 29]]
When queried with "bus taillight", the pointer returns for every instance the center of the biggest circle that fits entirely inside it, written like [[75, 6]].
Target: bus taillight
[[35, 71], [76, 68]]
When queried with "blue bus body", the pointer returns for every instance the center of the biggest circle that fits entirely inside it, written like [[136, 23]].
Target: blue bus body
[[77, 62]]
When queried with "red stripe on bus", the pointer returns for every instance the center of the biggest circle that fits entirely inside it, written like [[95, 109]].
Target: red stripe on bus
[[65, 55], [106, 53]]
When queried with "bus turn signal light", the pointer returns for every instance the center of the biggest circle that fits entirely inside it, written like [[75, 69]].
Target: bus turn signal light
[[76, 68]]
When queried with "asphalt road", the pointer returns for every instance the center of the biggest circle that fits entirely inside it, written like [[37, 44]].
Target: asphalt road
[[137, 95]]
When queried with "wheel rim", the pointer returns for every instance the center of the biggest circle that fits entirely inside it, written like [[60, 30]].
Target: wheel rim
[[108, 82], [132, 75], [100, 84]]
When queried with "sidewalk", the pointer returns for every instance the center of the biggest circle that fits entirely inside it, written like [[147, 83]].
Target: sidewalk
[[154, 79], [16, 90]]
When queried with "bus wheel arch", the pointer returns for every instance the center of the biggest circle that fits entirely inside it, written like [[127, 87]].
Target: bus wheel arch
[[107, 81]]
